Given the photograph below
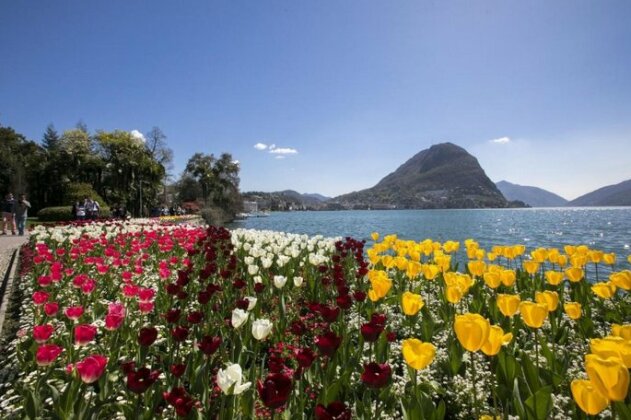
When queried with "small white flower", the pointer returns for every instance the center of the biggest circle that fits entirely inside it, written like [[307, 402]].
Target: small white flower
[[239, 316], [279, 281], [298, 281], [229, 377], [261, 328]]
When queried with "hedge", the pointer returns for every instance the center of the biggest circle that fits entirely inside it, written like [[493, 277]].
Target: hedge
[[64, 213]]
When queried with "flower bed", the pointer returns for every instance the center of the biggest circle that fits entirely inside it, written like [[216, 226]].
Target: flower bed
[[145, 320]]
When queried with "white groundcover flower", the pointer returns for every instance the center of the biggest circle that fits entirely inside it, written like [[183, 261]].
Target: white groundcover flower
[[261, 328], [298, 281], [239, 316], [230, 376], [279, 281]]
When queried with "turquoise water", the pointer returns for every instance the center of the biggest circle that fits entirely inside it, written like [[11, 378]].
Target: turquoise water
[[608, 229]]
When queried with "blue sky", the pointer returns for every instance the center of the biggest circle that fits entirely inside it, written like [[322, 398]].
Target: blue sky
[[354, 87]]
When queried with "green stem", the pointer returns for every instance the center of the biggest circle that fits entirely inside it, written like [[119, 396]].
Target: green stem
[[475, 394]]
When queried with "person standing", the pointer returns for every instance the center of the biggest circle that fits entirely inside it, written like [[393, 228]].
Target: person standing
[[7, 214], [21, 212]]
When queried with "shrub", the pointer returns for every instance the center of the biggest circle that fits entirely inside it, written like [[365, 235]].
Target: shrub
[[79, 191], [64, 213], [216, 216]]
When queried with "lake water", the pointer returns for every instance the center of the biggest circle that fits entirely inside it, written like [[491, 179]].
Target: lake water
[[608, 229]]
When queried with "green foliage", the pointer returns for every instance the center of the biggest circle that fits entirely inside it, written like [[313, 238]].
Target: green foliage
[[216, 216], [79, 191], [55, 214]]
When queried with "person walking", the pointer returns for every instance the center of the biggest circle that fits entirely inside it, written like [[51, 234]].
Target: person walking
[[21, 212], [8, 218]]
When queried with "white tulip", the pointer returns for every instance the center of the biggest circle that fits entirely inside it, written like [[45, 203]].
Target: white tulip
[[229, 380], [239, 316], [279, 281], [258, 279], [298, 281], [261, 328], [251, 302], [253, 269]]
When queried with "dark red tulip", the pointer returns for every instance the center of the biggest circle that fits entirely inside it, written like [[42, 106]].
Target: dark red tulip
[[359, 296], [376, 375], [259, 287], [147, 336], [274, 390], [180, 400], [208, 344], [335, 411], [329, 314], [179, 333], [139, 381], [177, 369], [195, 317], [304, 357], [172, 315], [344, 301], [328, 343], [298, 328]]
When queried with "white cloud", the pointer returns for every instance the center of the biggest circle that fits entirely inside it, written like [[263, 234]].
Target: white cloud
[[283, 151], [260, 146], [280, 156], [501, 140], [138, 135]]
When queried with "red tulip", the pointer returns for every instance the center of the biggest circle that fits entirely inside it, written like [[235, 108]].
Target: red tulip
[[139, 381], [179, 333], [91, 368], [83, 334], [376, 375], [371, 330], [47, 353], [44, 281], [329, 314], [145, 307], [177, 369], [41, 333], [335, 411], [51, 308], [172, 315], [195, 317], [40, 297], [328, 343], [275, 390], [113, 322], [74, 312], [147, 336]]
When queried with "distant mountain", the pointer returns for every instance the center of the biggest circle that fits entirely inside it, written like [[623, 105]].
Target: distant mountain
[[533, 196], [285, 200], [443, 176], [612, 195]]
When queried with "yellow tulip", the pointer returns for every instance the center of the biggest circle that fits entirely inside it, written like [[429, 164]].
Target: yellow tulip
[[387, 261], [454, 294], [373, 256], [554, 278], [411, 303], [508, 304], [578, 261], [381, 285], [508, 277], [451, 246], [496, 340], [539, 255], [519, 250], [479, 254], [621, 279], [533, 314], [609, 376], [569, 249], [476, 268], [572, 309], [491, 256], [574, 274], [531, 267], [401, 263], [612, 346], [430, 271], [493, 280], [588, 398], [609, 258], [417, 355], [553, 255], [623, 331], [413, 269], [595, 256], [550, 299], [374, 236], [562, 260], [472, 331], [604, 290], [582, 250], [629, 259], [443, 261]]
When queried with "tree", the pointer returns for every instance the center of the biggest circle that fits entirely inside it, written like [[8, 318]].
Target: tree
[[157, 146], [51, 138]]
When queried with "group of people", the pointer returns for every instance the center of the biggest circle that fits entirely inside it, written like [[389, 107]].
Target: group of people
[[14, 214], [88, 209]]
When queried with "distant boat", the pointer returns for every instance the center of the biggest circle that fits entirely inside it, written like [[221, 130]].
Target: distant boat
[[260, 214]]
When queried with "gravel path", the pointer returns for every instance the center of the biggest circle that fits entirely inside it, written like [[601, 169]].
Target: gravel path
[[8, 245]]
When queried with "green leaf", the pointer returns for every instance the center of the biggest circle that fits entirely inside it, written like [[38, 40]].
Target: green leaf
[[531, 373], [507, 369], [623, 410], [332, 391], [441, 409], [455, 358], [540, 404], [519, 406]]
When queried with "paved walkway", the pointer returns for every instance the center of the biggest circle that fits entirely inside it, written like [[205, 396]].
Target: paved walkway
[[9, 254]]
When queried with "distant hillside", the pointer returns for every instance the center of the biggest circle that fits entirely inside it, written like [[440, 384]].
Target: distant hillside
[[533, 196], [612, 195], [443, 176], [285, 200]]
